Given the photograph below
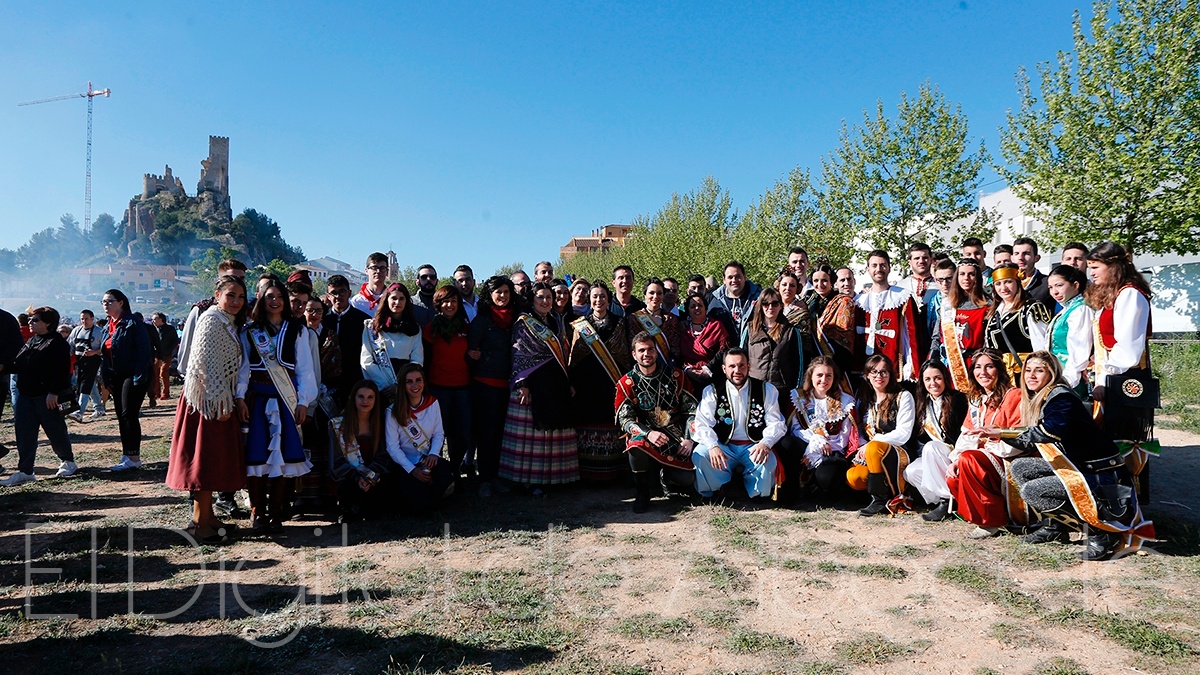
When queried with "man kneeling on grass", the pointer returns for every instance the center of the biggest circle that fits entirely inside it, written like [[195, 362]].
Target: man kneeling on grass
[[737, 423]]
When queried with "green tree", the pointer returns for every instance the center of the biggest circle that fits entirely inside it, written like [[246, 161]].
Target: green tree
[[504, 270], [262, 238], [206, 267], [1111, 150], [279, 268], [103, 233], [899, 181]]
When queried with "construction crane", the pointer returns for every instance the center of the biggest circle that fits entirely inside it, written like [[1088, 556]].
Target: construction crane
[[87, 190]]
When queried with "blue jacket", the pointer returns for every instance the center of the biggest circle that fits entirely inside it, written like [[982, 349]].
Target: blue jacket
[[131, 354]]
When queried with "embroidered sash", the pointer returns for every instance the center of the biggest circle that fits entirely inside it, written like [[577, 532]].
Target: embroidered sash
[[279, 375], [380, 356], [1131, 536], [416, 434], [350, 449], [542, 332], [660, 339], [587, 332], [954, 354]]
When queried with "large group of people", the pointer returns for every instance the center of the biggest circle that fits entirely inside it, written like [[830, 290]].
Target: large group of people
[[1008, 397]]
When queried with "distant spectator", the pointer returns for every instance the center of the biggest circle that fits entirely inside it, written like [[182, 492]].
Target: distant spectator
[[126, 372], [168, 340]]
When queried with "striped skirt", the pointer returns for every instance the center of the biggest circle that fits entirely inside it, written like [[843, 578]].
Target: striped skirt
[[536, 456]]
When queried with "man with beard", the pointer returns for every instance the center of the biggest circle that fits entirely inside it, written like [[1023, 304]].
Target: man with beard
[[464, 278], [655, 408], [885, 320], [738, 422], [423, 308]]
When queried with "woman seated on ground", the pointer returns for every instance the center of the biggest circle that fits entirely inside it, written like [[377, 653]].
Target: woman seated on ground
[[414, 442], [887, 415], [358, 461], [978, 469], [391, 339], [43, 367], [823, 425], [701, 340], [941, 412], [1074, 472]]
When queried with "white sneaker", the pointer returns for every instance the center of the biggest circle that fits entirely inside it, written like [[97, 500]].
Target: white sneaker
[[983, 532], [77, 415], [96, 414], [126, 464], [18, 478], [66, 469]]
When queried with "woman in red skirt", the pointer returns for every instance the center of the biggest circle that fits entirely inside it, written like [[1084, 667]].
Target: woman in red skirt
[[206, 448]]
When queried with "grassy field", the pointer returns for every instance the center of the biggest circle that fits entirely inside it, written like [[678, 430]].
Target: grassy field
[[1177, 365]]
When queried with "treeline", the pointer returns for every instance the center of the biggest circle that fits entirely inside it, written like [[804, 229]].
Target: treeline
[[1108, 148]]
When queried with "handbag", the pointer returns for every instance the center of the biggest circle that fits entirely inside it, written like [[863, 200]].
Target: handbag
[[1136, 388], [67, 401]]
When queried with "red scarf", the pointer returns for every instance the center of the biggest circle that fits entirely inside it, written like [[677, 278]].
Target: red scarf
[[503, 316], [373, 299]]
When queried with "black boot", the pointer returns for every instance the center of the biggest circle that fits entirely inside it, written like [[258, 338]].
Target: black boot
[[642, 482], [1050, 531], [938, 513], [877, 487], [1100, 545]]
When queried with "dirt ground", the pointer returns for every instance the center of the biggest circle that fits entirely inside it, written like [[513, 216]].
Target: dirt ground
[[573, 582]]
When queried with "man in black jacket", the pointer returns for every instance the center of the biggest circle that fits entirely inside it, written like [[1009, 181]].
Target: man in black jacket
[[347, 323], [168, 340]]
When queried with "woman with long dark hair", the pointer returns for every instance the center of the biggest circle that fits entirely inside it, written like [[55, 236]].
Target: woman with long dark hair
[[978, 472], [540, 445], [1121, 297], [206, 446], [1017, 324], [1071, 338], [941, 412], [962, 316], [391, 339], [823, 419], [661, 324], [489, 354], [414, 441], [446, 344], [599, 356], [773, 344], [276, 384], [358, 457], [887, 417], [125, 370]]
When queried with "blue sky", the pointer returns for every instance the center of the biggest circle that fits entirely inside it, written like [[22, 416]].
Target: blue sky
[[476, 132]]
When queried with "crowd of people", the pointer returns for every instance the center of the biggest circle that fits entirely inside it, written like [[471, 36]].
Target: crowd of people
[[1008, 397]]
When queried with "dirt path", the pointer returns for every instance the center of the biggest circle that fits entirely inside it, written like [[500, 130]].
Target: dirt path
[[575, 582]]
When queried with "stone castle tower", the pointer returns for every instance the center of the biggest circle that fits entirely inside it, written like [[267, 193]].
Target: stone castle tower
[[214, 174]]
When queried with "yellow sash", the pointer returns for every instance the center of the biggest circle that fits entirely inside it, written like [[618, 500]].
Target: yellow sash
[[585, 330], [543, 333], [265, 345], [957, 362], [660, 339]]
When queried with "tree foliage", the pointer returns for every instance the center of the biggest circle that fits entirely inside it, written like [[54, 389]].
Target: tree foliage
[[1111, 149], [698, 232], [507, 270], [899, 181], [206, 267]]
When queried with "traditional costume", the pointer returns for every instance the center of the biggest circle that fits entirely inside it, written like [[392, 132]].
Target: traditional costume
[[1071, 342], [1079, 478], [664, 327], [278, 376], [362, 458], [983, 491], [923, 292], [383, 354], [661, 402], [698, 347], [1016, 333], [599, 357], [966, 323], [539, 446], [206, 450], [829, 434], [939, 430], [879, 465], [885, 323], [735, 419], [835, 336]]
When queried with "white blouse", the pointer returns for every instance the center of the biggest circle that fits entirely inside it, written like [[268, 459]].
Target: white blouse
[[397, 345]]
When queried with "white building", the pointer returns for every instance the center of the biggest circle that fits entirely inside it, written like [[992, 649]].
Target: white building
[[325, 267]]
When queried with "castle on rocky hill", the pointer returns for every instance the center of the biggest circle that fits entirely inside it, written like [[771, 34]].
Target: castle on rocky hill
[[212, 192]]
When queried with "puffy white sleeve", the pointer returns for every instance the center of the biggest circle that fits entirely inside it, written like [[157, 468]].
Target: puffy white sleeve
[[842, 440], [243, 378], [1079, 344], [306, 377], [1039, 333], [394, 450], [775, 428], [706, 418], [1131, 322], [906, 418], [797, 427]]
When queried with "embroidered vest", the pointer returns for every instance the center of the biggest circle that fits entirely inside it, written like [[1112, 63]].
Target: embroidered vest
[[756, 418], [285, 347], [1060, 327]]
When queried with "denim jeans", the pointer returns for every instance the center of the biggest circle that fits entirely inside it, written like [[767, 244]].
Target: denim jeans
[[31, 413]]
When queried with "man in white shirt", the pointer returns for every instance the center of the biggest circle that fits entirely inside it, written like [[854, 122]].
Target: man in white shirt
[[738, 422], [368, 297]]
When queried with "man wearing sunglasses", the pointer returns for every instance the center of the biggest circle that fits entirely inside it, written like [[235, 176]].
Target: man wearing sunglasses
[[423, 306]]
